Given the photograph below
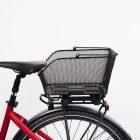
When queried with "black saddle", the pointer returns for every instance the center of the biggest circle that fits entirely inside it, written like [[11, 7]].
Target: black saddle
[[26, 67]]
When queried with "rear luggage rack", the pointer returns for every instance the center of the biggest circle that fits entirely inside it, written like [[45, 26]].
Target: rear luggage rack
[[81, 75]]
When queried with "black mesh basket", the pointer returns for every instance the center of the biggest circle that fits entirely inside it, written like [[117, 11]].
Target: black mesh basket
[[81, 71]]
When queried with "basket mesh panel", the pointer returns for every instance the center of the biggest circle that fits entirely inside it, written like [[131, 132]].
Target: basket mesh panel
[[89, 70]]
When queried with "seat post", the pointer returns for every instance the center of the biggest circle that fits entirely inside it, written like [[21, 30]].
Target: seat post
[[15, 89]]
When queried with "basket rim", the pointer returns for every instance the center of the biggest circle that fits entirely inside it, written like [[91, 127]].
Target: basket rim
[[87, 49]]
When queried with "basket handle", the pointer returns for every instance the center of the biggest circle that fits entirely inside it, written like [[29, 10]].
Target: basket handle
[[91, 55], [96, 48]]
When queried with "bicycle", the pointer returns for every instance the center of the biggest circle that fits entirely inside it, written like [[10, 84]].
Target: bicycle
[[69, 78]]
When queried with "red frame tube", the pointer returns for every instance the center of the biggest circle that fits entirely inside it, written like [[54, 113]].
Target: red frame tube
[[6, 122], [19, 121], [43, 135], [22, 126]]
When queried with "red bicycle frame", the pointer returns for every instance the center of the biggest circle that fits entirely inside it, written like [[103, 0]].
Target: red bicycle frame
[[19, 121]]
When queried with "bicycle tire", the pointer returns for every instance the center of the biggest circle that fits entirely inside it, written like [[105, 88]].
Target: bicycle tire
[[77, 113]]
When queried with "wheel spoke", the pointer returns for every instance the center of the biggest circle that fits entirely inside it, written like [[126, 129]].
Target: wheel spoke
[[57, 131], [45, 130], [87, 134], [70, 125], [86, 131], [93, 133], [63, 123], [109, 138], [76, 130], [99, 135], [67, 129]]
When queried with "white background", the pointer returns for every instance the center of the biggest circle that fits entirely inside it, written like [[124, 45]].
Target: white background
[[33, 29]]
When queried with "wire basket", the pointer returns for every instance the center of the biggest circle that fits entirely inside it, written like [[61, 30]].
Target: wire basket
[[81, 71]]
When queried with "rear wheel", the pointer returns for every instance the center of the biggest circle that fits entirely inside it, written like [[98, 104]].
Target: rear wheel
[[82, 125]]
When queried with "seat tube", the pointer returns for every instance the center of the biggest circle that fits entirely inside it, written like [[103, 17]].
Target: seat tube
[[11, 104]]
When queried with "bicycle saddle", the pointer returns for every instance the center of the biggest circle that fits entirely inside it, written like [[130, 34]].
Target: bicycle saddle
[[25, 67]]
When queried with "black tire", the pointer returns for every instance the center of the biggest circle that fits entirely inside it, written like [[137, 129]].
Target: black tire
[[87, 116]]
